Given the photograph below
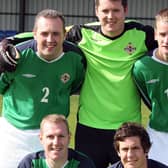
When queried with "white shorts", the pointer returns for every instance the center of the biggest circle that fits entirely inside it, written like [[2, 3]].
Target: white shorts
[[159, 148], [16, 143]]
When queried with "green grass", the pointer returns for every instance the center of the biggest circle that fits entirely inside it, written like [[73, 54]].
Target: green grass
[[73, 111]]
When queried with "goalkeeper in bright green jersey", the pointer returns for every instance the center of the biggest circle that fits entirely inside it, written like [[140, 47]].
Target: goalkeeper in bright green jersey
[[108, 96], [47, 73], [150, 74], [55, 138]]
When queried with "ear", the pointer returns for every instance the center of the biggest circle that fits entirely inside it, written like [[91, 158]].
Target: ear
[[69, 137], [118, 153], [65, 35], [34, 33], [126, 10], [96, 11], [41, 138], [155, 34]]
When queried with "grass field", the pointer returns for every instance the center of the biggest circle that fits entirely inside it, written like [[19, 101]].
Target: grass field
[[72, 116]]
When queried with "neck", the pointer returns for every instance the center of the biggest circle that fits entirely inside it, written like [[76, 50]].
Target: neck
[[56, 164], [52, 56], [161, 56]]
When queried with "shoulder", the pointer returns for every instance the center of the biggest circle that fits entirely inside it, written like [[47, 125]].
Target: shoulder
[[73, 50], [29, 44], [26, 162], [83, 160], [138, 26], [142, 62], [78, 32], [117, 165], [69, 46], [154, 164]]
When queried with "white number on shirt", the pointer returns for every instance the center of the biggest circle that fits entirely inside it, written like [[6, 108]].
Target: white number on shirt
[[46, 92]]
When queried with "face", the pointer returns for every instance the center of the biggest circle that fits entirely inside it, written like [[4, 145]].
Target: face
[[49, 34], [131, 153], [55, 140], [161, 35], [111, 15]]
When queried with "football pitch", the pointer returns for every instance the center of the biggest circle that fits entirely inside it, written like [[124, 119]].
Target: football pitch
[[73, 111]]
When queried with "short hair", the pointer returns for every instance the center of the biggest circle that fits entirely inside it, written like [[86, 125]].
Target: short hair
[[130, 129], [49, 13], [123, 2], [54, 118], [161, 16]]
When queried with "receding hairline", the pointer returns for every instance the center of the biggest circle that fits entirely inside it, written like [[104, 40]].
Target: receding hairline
[[54, 119], [51, 14]]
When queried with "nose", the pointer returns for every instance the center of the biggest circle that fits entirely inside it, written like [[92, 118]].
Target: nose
[[166, 39], [110, 14], [55, 140], [130, 153], [50, 38]]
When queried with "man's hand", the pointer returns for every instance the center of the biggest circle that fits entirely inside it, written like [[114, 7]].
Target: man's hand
[[8, 56]]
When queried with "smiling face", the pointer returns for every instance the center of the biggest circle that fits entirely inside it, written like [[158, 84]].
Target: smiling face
[[49, 34], [111, 15], [55, 140], [131, 153]]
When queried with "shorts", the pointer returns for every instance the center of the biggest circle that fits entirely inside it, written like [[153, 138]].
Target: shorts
[[16, 143], [159, 148], [97, 144]]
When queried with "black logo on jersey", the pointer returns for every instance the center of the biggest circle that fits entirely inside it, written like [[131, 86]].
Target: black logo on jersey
[[65, 77], [130, 48]]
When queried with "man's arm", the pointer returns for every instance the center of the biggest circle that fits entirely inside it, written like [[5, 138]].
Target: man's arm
[[140, 83]]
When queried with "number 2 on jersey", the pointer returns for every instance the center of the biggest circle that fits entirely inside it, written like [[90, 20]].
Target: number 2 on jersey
[[46, 92]]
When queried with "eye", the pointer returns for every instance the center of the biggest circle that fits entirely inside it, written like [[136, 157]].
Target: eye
[[44, 34], [50, 137], [105, 11], [56, 33], [162, 34]]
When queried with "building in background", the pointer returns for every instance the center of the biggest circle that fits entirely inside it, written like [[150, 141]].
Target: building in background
[[18, 15]]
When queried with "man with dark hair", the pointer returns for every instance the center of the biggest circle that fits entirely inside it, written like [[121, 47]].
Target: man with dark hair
[[45, 77], [132, 144], [108, 96]]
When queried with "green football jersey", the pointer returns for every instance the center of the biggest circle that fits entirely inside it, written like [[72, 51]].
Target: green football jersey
[[75, 160], [151, 78], [39, 87], [109, 96]]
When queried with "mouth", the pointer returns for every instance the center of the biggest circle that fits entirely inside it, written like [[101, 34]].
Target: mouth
[[50, 47]]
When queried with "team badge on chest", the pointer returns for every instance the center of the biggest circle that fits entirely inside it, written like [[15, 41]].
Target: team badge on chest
[[65, 77], [130, 48]]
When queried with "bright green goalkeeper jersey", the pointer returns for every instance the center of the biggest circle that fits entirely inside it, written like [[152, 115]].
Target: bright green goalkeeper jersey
[[38, 87], [109, 96], [151, 78]]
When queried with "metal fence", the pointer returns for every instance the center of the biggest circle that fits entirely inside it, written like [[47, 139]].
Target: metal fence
[[18, 15]]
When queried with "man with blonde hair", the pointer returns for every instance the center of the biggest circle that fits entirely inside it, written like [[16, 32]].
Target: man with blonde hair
[[150, 75], [55, 138]]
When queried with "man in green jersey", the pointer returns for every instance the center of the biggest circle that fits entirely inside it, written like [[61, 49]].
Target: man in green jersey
[[45, 77], [55, 137], [109, 96], [150, 74]]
